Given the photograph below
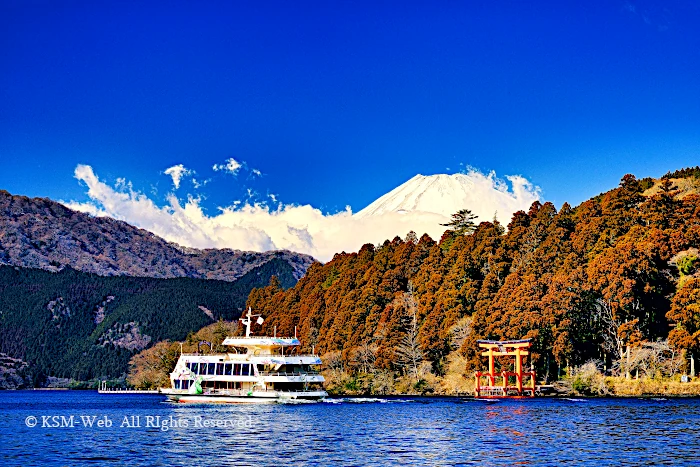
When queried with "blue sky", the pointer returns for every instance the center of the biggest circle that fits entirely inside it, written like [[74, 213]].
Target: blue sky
[[336, 103]]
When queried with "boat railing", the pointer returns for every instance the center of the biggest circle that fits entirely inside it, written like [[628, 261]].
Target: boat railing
[[286, 355], [255, 354], [269, 354], [262, 337], [287, 373], [209, 354], [248, 392]]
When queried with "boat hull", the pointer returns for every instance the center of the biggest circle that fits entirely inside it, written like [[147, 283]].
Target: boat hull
[[255, 397]]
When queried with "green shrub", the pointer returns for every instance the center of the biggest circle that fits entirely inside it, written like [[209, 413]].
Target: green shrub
[[687, 265]]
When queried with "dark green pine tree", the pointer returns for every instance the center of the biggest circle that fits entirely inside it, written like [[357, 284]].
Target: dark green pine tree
[[462, 222]]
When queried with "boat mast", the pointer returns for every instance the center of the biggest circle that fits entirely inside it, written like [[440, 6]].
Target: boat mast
[[248, 320]]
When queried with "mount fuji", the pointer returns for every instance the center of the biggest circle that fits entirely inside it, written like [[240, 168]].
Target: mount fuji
[[485, 195]]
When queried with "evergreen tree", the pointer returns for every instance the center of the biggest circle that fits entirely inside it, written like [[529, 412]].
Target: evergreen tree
[[462, 222]]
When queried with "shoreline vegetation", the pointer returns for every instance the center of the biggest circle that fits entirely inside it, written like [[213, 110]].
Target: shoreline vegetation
[[651, 374], [608, 386]]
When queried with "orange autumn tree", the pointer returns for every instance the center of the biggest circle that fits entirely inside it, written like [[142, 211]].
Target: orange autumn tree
[[685, 314], [630, 284]]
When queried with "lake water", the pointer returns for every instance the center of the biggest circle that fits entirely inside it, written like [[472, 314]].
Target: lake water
[[146, 430]]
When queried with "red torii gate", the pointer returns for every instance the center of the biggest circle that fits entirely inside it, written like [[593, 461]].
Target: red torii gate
[[517, 349]]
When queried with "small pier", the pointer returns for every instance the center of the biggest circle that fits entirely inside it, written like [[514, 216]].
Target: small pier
[[103, 389]]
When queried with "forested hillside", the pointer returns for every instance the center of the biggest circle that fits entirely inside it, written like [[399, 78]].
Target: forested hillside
[[584, 283], [77, 325]]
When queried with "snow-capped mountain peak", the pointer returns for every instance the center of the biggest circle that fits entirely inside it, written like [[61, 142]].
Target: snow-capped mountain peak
[[446, 194]]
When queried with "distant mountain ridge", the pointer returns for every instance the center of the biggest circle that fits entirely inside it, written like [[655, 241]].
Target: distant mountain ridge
[[41, 233]]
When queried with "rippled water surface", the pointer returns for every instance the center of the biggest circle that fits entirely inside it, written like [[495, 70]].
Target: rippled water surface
[[145, 430]]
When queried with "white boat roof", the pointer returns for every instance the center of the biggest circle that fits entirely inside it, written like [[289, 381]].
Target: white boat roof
[[262, 341]]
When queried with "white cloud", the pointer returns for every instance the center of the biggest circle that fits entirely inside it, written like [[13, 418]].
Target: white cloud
[[87, 208], [177, 172], [257, 227], [230, 165], [199, 184]]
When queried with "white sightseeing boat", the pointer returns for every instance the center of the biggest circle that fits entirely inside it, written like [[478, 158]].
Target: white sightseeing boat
[[256, 369]]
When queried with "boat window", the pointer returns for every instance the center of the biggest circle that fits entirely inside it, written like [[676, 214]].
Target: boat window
[[186, 384], [237, 369], [211, 368], [246, 369], [177, 384], [202, 368], [227, 369], [219, 368]]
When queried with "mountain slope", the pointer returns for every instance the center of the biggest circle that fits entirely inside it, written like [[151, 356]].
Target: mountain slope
[[41, 233], [77, 325]]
